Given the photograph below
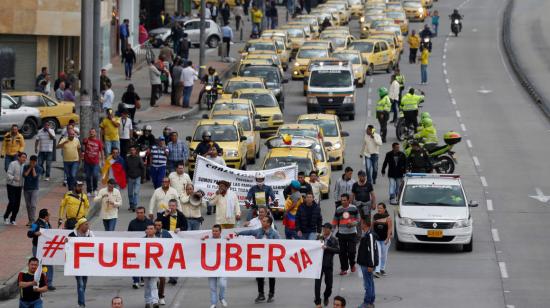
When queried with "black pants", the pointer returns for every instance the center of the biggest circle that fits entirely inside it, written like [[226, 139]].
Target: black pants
[[227, 41], [347, 250], [383, 117], [327, 272], [14, 201], [124, 147], [260, 282], [132, 114], [411, 117], [156, 90], [237, 22], [412, 55]]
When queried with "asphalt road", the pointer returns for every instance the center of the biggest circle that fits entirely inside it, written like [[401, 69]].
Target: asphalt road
[[471, 91]]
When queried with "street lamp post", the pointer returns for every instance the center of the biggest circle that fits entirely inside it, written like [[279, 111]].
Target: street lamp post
[[202, 38], [86, 51]]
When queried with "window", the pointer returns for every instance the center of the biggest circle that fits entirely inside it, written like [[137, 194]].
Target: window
[[193, 25], [50, 102], [377, 48], [331, 79], [33, 101], [433, 195], [383, 46], [7, 103]]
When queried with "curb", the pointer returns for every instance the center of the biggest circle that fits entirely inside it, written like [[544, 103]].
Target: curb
[[9, 289], [529, 87]]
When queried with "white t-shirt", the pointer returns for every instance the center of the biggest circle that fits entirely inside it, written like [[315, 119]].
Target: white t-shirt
[[125, 128], [108, 99], [219, 160], [188, 76], [45, 143]]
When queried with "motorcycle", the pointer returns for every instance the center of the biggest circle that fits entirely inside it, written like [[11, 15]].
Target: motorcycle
[[455, 26], [441, 156], [426, 43], [211, 92]]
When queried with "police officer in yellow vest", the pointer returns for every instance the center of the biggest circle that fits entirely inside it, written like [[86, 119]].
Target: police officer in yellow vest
[[409, 105], [383, 108], [428, 134]]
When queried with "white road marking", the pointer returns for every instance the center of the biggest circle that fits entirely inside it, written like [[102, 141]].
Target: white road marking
[[490, 205], [370, 89], [510, 306], [540, 196], [445, 72], [503, 270], [368, 114], [453, 101], [483, 181], [369, 101], [469, 143], [444, 57], [445, 49], [474, 30], [444, 64], [496, 237], [463, 127], [447, 80], [482, 90], [450, 91], [476, 161], [458, 114]]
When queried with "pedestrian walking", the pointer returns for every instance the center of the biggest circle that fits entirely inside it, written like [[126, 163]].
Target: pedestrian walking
[[367, 258], [12, 144], [74, 206], [256, 222], [129, 59], [110, 201], [217, 284], [191, 206], [400, 78], [179, 179], [394, 98], [188, 76], [305, 187], [110, 131], [435, 21], [382, 226], [185, 45], [178, 153], [316, 186], [14, 186], [139, 224], [424, 61], [293, 202], [225, 11], [161, 198], [150, 291], [414, 44], [103, 80], [330, 248], [162, 233], [309, 219], [344, 184], [131, 102], [265, 232], [125, 132], [345, 221], [214, 12], [238, 12], [228, 210], [158, 156], [82, 229], [108, 97], [177, 83], [61, 77], [143, 35], [43, 222], [30, 290], [257, 16], [31, 176], [273, 15], [396, 161], [156, 85], [41, 76], [60, 91], [216, 155], [363, 195], [44, 146], [92, 154], [371, 148], [383, 108], [227, 34], [135, 171], [123, 34], [68, 94], [114, 168]]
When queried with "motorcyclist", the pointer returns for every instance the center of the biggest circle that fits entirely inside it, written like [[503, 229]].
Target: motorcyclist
[[211, 77], [147, 139], [455, 15], [383, 108], [418, 160], [428, 134], [423, 115], [409, 105], [326, 23], [204, 146], [426, 32], [166, 132], [259, 195]]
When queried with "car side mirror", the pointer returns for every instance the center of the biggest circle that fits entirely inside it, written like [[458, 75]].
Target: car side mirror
[[344, 134], [473, 203], [243, 138], [234, 73], [205, 116], [188, 138], [321, 173], [327, 144]]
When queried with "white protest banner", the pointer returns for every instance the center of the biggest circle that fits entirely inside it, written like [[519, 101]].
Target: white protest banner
[[51, 242], [207, 173], [158, 257]]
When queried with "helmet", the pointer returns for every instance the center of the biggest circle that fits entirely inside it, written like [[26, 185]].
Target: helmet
[[287, 139], [206, 134], [295, 184], [259, 175], [382, 91], [455, 11], [427, 122], [425, 115], [411, 90], [148, 127]]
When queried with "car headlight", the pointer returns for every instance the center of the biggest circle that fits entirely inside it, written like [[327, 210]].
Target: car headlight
[[208, 88], [296, 64], [312, 100], [232, 153], [362, 19], [348, 100], [356, 70], [336, 146], [277, 117], [365, 29], [462, 223], [407, 222]]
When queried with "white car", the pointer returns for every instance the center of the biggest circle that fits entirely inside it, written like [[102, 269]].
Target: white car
[[27, 118], [212, 33], [433, 209]]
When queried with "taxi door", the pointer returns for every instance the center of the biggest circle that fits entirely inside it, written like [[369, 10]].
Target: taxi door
[[385, 53]]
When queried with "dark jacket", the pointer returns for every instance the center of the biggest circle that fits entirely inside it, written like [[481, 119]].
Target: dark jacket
[[204, 147], [332, 247], [309, 223], [36, 226], [139, 225], [367, 253], [395, 170], [134, 167], [181, 222], [419, 162], [304, 189]]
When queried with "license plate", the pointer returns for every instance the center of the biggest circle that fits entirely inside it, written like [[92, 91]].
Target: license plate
[[330, 111], [435, 233]]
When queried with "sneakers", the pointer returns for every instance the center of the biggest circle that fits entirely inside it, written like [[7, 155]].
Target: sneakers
[[270, 298], [377, 274], [354, 268], [13, 223], [212, 306], [162, 301], [7, 221], [135, 285], [260, 298], [224, 302], [383, 272], [343, 273], [47, 179], [51, 288]]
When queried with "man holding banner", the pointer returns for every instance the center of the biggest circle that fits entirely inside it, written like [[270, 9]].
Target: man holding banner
[[216, 283]]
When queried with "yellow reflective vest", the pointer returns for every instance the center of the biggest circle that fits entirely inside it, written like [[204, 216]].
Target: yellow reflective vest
[[384, 104], [410, 102]]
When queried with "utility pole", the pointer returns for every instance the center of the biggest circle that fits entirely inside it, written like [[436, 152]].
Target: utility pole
[[86, 60], [98, 42], [202, 38]]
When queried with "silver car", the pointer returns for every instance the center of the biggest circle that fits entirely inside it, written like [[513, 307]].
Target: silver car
[[213, 33], [27, 118]]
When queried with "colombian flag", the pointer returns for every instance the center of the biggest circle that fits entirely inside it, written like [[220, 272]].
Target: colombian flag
[[114, 169]]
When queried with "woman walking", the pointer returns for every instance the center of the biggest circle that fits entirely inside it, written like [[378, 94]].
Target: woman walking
[[129, 59], [131, 101], [383, 228]]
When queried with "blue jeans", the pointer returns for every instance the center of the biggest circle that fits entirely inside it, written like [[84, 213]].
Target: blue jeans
[[310, 236], [424, 73], [128, 68], [109, 224], [394, 186], [7, 160], [371, 164], [45, 157], [193, 224], [368, 284], [81, 282], [187, 95], [151, 293], [109, 145], [382, 254], [49, 274], [92, 177], [34, 304], [395, 109], [71, 169], [215, 283], [134, 185], [291, 234], [435, 26], [157, 174]]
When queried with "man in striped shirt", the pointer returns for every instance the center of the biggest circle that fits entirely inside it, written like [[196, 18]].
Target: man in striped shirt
[[158, 158], [345, 221], [178, 152]]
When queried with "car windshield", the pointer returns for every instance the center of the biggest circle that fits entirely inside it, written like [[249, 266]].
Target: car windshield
[[261, 99], [312, 53], [392, 28], [337, 41], [412, 4], [219, 132], [315, 44], [433, 195], [352, 2], [309, 20], [396, 15], [261, 46], [377, 15], [280, 43], [242, 119], [328, 126], [304, 164], [331, 79], [378, 23], [298, 132], [295, 32], [363, 46], [352, 57], [268, 73], [233, 86]]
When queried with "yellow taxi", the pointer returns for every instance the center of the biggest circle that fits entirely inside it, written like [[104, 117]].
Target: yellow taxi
[[342, 8], [399, 18], [321, 159], [57, 113], [357, 8], [393, 44], [302, 59], [266, 60], [311, 20], [394, 6], [316, 62], [396, 29], [427, 3], [332, 132], [237, 83], [375, 53], [359, 68], [308, 130], [276, 33], [319, 43], [339, 41], [197, 3], [235, 104], [258, 44], [337, 30], [310, 34], [365, 22], [340, 17], [228, 134], [248, 124], [270, 115], [297, 37], [283, 47], [321, 15], [375, 5], [415, 11]]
